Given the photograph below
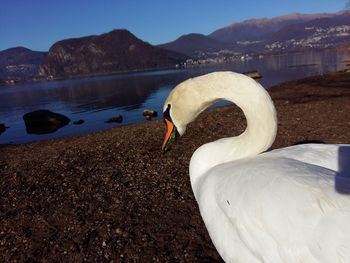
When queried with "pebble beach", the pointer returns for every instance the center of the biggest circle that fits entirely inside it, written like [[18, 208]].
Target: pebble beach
[[112, 196]]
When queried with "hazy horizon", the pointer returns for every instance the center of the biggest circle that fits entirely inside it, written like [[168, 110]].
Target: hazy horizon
[[37, 25]]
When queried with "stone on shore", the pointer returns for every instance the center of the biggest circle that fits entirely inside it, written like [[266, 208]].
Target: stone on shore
[[117, 119], [149, 114], [44, 121], [253, 74]]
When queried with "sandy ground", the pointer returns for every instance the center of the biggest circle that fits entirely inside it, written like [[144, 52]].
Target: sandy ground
[[113, 197]]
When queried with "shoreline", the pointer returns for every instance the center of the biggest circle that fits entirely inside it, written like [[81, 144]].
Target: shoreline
[[9, 142], [112, 195], [42, 79]]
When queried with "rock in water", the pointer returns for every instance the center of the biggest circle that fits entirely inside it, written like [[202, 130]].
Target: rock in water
[[2, 128], [78, 122], [117, 119], [44, 121]]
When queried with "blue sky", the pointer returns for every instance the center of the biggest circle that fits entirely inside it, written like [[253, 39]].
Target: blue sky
[[37, 24]]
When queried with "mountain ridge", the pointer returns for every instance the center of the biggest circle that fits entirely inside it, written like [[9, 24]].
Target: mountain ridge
[[278, 34], [120, 51], [256, 27], [289, 16]]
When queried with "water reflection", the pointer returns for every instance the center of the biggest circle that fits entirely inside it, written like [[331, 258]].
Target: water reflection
[[99, 98], [127, 92]]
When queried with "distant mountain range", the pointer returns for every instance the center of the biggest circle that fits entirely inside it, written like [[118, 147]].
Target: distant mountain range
[[253, 29], [316, 33], [283, 33], [120, 50]]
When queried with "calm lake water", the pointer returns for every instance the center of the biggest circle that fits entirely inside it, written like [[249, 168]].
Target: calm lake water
[[100, 98]]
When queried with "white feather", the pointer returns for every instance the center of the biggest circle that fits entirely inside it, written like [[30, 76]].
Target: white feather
[[286, 205]]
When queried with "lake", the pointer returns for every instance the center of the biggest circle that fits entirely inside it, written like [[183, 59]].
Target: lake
[[97, 99]]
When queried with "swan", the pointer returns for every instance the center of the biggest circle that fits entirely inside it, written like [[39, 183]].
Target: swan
[[284, 205]]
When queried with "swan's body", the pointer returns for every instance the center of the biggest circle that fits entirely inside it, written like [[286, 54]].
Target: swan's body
[[286, 205]]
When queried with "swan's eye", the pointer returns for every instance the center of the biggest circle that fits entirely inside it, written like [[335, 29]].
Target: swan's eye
[[166, 113]]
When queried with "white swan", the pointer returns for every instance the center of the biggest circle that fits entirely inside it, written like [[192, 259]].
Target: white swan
[[286, 205]]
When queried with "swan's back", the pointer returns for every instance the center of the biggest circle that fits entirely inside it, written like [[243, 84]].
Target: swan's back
[[281, 206], [331, 156]]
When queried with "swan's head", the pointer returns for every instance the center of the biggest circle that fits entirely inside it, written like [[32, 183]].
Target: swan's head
[[182, 106]]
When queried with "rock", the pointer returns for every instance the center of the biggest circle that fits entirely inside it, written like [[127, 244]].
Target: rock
[[44, 121], [149, 114], [2, 128], [117, 119], [253, 74], [78, 122]]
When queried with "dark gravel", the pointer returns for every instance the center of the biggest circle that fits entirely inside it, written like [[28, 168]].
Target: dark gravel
[[113, 197]]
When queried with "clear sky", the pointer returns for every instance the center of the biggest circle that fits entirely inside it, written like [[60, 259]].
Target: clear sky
[[37, 24]]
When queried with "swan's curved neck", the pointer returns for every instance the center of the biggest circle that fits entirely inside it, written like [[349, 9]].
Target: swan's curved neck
[[260, 114]]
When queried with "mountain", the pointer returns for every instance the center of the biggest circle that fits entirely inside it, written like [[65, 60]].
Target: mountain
[[328, 30], [318, 33], [253, 29], [293, 32], [192, 44], [20, 63], [120, 50], [112, 52]]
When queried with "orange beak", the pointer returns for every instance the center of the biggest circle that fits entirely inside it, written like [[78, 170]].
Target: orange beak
[[169, 136]]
